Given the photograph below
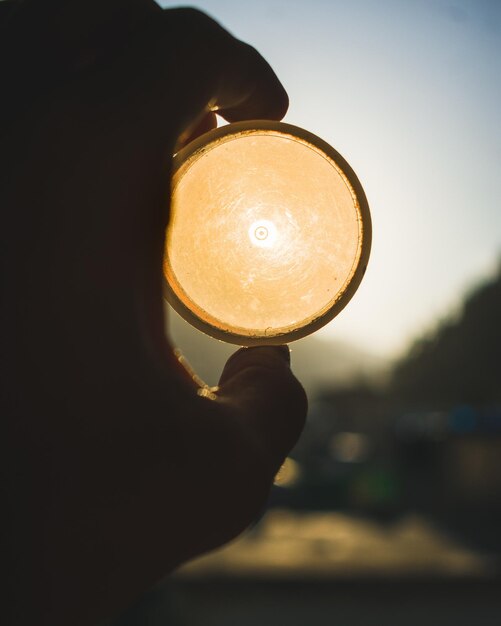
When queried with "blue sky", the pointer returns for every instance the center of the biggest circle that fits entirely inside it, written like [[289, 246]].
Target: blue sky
[[409, 92]]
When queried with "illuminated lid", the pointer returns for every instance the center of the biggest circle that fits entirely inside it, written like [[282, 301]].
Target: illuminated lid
[[269, 234]]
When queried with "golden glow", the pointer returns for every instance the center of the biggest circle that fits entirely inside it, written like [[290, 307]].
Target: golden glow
[[289, 474], [265, 235], [208, 392], [203, 388]]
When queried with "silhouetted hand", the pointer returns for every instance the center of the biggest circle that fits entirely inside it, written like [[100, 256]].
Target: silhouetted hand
[[117, 469]]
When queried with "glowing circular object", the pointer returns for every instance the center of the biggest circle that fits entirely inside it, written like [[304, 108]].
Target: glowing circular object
[[269, 234]]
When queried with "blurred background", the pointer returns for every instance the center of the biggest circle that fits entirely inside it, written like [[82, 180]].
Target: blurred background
[[389, 508]]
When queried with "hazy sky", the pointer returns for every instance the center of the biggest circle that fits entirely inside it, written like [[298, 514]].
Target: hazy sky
[[409, 92]]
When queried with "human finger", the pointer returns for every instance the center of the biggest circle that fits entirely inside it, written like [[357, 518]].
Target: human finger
[[262, 390], [184, 65]]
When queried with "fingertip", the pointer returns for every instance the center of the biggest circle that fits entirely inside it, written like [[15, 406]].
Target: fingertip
[[251, 89], [259, 384], [283, 351], [260, 105], [282, 104], [268, 357], [242, 84]]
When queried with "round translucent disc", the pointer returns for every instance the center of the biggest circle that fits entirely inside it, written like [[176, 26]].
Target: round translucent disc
[[269, 228]]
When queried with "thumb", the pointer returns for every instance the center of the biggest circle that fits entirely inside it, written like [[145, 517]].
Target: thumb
[[260, 387]]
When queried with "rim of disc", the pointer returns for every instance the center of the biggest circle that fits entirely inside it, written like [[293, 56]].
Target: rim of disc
[[192, 152]]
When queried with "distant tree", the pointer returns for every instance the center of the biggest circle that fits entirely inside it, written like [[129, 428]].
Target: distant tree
[[461, 360]]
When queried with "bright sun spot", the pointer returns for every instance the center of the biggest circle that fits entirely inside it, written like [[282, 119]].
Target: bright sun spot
[[262, 233]]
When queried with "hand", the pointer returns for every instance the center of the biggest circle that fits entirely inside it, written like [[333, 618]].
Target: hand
[[118, 470]]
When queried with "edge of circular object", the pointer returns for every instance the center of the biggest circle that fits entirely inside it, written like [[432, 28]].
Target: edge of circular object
[[366, 235]]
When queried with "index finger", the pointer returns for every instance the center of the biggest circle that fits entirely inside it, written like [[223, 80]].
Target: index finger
[[185, 64], [239, 82]]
